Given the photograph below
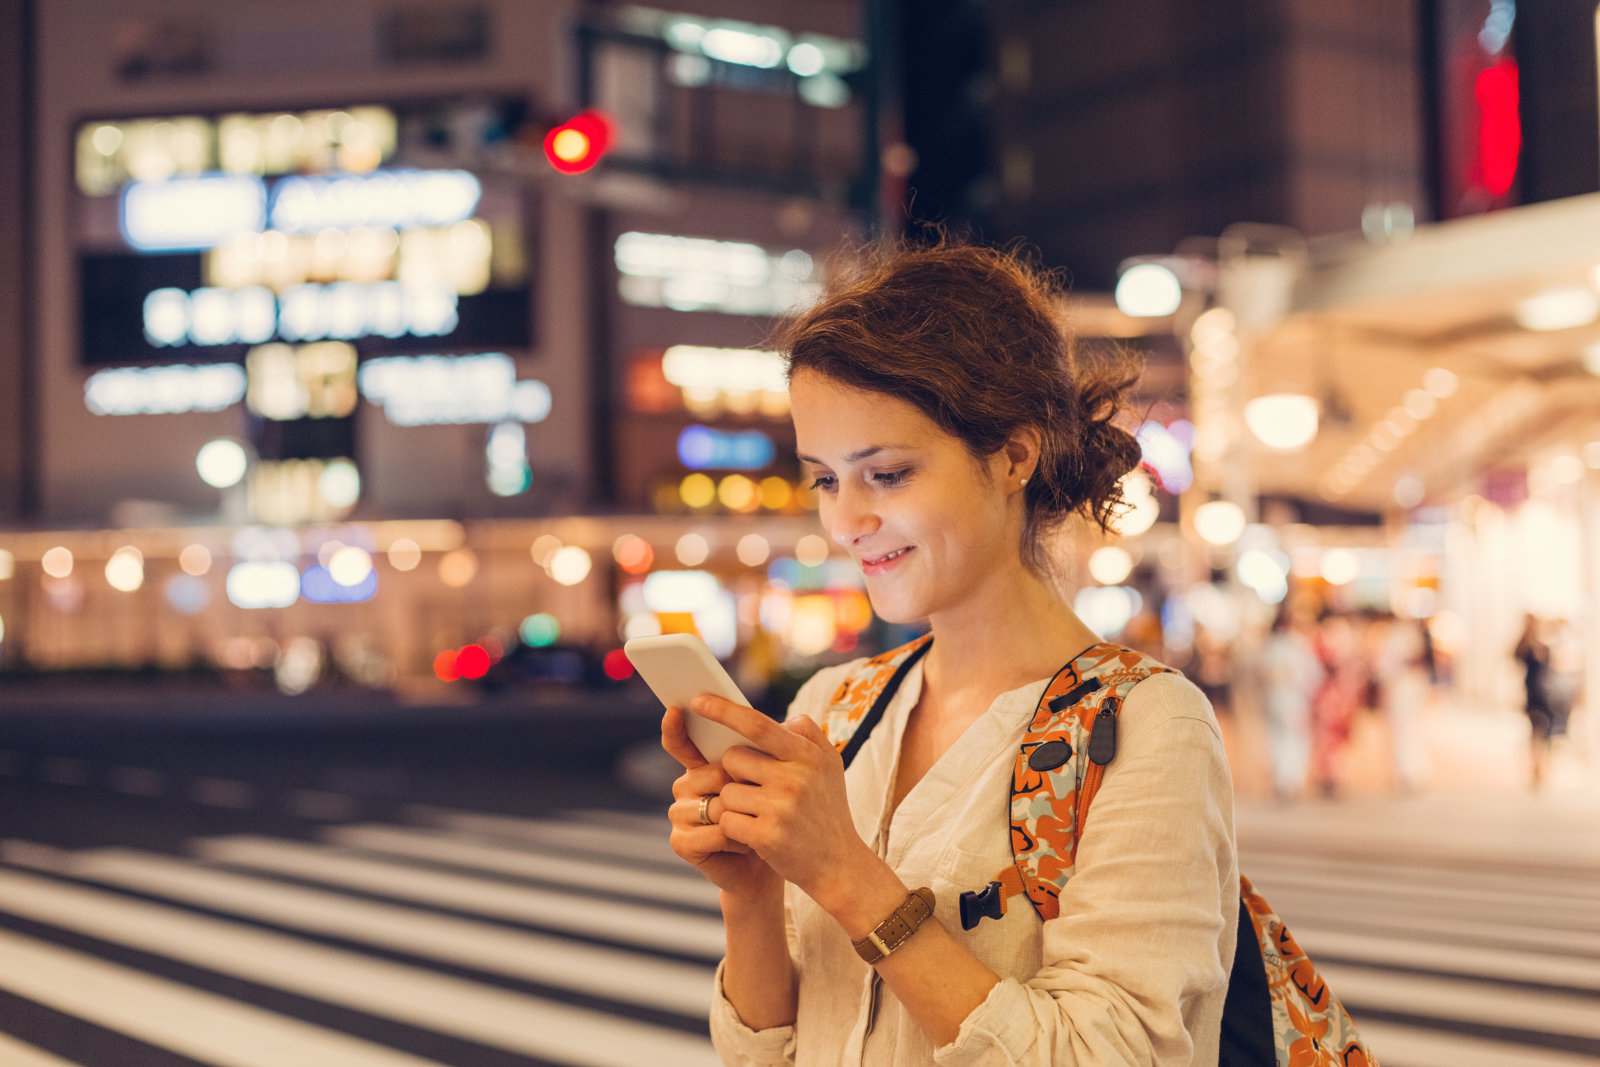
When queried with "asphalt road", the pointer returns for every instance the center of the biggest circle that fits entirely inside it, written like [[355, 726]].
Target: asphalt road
[[391, 888]]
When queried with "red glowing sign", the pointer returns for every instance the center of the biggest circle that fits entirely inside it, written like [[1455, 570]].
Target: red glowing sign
[[1499, 125]]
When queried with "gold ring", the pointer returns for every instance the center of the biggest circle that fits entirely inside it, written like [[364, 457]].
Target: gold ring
[[705, 808]]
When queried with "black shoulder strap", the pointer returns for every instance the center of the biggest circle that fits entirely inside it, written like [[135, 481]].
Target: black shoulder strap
[[874, 713]]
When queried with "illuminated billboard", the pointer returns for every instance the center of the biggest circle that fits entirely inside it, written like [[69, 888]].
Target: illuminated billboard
[[201, 238]]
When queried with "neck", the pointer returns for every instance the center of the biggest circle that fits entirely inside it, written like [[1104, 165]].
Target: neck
[[1018, 629]]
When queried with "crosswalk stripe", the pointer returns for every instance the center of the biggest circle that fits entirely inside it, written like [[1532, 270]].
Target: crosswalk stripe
[[466, 1009], [15, 1053], [1573, 911], [1572, 889], [1503, 964], [594, 970], [632, 843], [526, 861], [1375, 916], [1452, 998], [584, 915], [1410, 1046], [175, 1017]]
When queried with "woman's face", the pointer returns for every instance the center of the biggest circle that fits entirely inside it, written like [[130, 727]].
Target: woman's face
[[926, 523]]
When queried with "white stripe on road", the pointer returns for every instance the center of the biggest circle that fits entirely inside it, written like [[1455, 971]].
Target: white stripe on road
[[581, 914], [603, 972], [526, 861], [1406, 1046], [1573, 888], [14, 1053], [175, 1017], [616, 841], [1505, 965], [471, 1010], [1355, 914], [1453, 998], [1579, 907]]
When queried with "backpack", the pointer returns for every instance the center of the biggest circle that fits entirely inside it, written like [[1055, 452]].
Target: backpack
[[1278, 1010]]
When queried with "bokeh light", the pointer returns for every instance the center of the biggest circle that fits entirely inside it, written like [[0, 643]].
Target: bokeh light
[[405, 554], [776, 493], [221, 463], [472, 661], [697, 490], [570, 565], [458, 567], [539, 631], [339, 484], [195, 560], [617, 666], [633, 553], [544, 546], [8, 564], [57, 562], [444, 666], [1110, 564], [125, 569], [812, 550], [692, 550], [349, 565], [752, 550], [738, 493]]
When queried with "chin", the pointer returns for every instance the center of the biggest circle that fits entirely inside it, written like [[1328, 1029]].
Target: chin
[[895, 610]]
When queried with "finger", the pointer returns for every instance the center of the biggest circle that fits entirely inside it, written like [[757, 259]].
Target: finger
[[697, 843], [745, 764], [762, 731], [675, 739], [684, 813], [740, 799], [697, 781], [805, 726]]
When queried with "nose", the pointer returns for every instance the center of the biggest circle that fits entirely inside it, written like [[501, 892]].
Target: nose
[[852, 516]]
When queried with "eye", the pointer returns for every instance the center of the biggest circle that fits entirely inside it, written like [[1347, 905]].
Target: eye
[[824, 482], [892, 479]]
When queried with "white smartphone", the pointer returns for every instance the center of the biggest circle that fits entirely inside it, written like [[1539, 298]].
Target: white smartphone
[[678, 668]]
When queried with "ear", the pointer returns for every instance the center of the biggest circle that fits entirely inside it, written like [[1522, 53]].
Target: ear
[[1021, 453]]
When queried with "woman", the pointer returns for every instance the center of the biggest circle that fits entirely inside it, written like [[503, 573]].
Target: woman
[[937, 407]]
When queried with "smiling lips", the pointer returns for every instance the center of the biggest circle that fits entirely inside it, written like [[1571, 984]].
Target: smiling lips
[[879, 564]]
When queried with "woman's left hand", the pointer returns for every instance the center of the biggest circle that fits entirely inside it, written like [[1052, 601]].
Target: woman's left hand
[[788, 800]]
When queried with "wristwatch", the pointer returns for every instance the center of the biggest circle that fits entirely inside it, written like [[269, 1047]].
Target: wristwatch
[[897, 928]]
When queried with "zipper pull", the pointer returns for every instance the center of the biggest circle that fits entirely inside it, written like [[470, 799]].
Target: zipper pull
[[1103, 737]]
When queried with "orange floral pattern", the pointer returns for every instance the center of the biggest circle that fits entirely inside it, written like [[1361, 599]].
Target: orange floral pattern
[[1311, 1026]]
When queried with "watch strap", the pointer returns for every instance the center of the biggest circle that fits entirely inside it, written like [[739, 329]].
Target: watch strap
[[898, 927]]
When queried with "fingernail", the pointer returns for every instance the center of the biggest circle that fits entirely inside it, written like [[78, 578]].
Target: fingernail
[[698, 703]]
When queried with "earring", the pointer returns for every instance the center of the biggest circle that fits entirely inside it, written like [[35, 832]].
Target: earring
[[1024, 481]]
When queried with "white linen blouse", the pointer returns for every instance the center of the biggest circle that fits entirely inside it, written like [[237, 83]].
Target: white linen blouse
[[1134, 970]]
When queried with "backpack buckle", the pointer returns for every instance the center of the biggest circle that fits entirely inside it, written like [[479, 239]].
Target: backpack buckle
[[978, 905]]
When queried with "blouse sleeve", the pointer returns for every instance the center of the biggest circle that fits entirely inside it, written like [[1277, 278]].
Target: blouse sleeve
[[1146, 927], [736, 1043]]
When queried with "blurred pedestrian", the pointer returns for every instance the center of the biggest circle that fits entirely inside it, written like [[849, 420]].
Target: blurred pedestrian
[[1337, 699], [1534, 654], [939, 409], [1290, 674], [1403, 688]]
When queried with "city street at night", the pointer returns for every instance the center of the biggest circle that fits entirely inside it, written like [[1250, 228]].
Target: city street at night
[[499, 892]]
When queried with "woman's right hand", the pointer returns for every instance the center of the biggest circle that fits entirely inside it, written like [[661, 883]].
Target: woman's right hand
[[730, 866]]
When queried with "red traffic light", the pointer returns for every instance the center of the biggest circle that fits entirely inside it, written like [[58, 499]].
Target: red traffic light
[[577, 144]]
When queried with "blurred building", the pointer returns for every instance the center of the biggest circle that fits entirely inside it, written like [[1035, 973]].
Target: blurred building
[[306, 278]]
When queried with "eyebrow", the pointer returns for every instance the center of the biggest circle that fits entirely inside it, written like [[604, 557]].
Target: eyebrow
[[852, 457]]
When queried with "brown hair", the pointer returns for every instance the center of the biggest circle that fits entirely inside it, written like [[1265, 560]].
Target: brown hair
[[973, 337]]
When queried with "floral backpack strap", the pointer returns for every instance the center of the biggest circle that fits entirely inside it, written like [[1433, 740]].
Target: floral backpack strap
[[860, 700], [1309, 1025], [1059, 766]]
